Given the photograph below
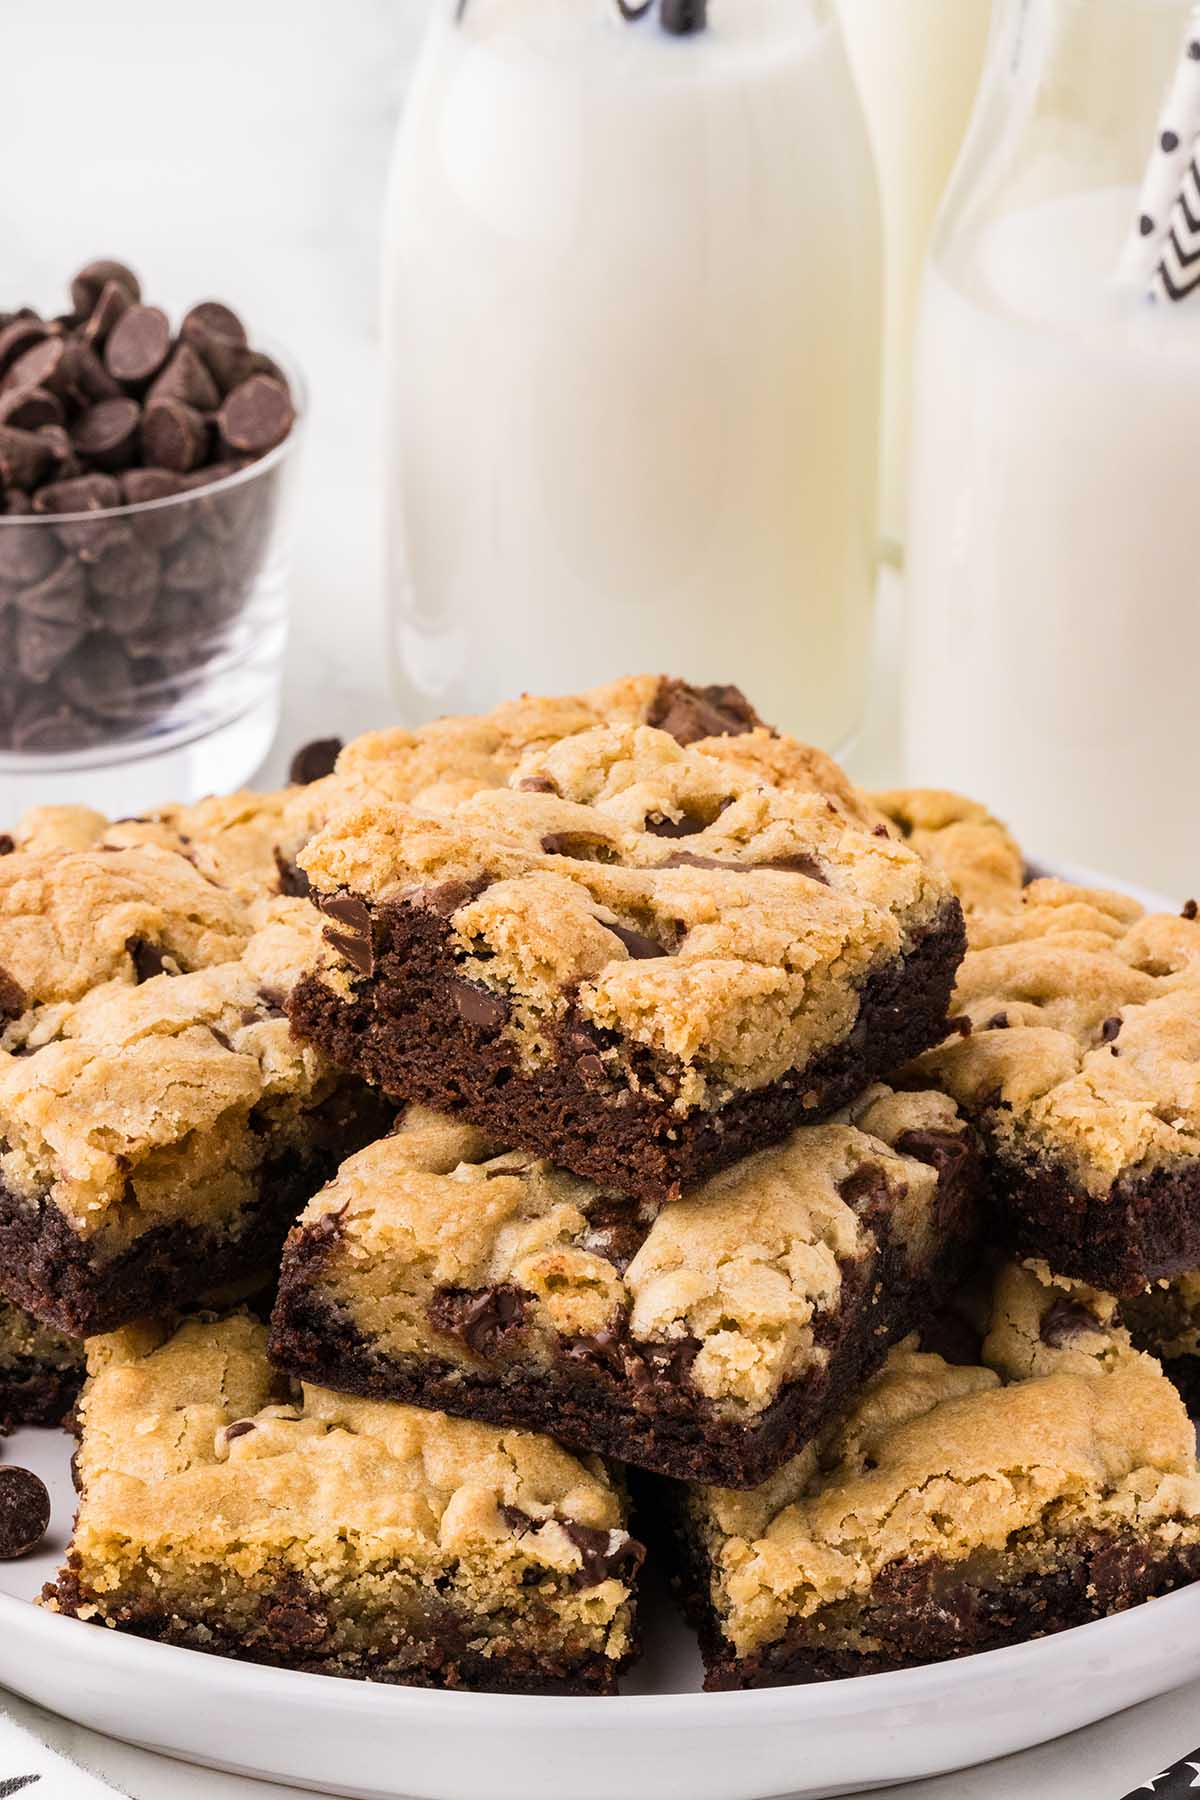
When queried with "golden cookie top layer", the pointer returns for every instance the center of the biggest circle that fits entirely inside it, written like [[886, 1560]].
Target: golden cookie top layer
[[193, 1450], [741, 1271], [1062, 1429], [248, 841], [134, 1104], [71, 920], [978, 855], [668, 895], [1084, 1045]]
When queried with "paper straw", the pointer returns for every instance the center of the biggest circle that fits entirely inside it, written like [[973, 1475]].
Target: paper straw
[[1167, 173]]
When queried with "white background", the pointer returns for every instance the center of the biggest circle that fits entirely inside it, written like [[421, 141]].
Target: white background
[[239, 150]]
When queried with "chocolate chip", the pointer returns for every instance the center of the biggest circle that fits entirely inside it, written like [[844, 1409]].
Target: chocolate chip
[[484, 1319], [186, 378], [1110, 1029], [24, 457], [239, 1428], [799, 863], [24, 1512], [18, 336], [997, 1022], [537, 784], [353, 938], [640, 947], [212, 319], [689, 713], [1064, 1321], [605, 1554], [41, 644], [959, 1025], [1190, 909], [148, 959], [314, 760], [477, 1007], [26, 555], [687, 826], [79, 494], [681, 17], [137, 346], [59, 597], [256, 416], [174, 435], [89, 285], [578, 846], [865, 1189], [114, 300], [944, 1151], [107, 433], [12, 994], [84, 376], [40, 366], [7, 843], [292, 879], [27, 408]]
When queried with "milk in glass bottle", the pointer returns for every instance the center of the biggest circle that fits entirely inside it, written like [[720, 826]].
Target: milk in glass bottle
[[1054, 631], [632, 298]]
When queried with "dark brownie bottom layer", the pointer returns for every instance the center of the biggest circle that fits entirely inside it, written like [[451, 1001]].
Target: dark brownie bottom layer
[[56, 1275], [290, 1628], [618, 1399], [417, 1030], [33, 1393], [934, 1611], [1146, 1228]]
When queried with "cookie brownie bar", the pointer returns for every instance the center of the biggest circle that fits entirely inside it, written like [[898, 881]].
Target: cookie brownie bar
[[248, 842], [641, 960], [221, 1510], [40, 1371], [158, 1139], [709, 1342], [1077, 1053], [954, 1508]]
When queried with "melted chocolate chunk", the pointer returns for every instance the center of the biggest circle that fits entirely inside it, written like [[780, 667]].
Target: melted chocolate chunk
[[689, 713], [24, 1512], [484, 1319], [640, 947], [616, 1230], [944, 1151], [866, 1189], [997, 1022], [537, 784], [239, 1428], [687, 826], [578, 846], [314, 760], [292, 879], [1065, 1321], [353, 938], [605, 1554], [12, 996], [476, 1006], [1110, 1029], [148, 959]]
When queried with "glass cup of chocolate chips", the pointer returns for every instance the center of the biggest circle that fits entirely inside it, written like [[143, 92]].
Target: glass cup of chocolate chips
[[145, 476]]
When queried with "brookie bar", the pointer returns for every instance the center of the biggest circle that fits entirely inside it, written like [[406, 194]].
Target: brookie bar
[[221, 1510], [639, 959], [708, 1343], [954, 1508]]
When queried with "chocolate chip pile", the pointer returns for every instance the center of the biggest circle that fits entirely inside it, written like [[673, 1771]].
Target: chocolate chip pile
[[106, 622]]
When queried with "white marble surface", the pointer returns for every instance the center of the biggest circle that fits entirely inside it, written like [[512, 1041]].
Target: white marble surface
[[241, 150]]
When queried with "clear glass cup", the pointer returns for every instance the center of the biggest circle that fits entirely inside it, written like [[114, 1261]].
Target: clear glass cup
[[1053, 630], [141, 647], [632, 302]]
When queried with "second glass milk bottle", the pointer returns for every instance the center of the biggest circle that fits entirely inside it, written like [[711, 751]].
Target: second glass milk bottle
[[632, 317], [1054, 633]]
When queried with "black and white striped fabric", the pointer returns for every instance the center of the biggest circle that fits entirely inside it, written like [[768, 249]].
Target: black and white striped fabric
[[1179, 269], [1181, 1778]]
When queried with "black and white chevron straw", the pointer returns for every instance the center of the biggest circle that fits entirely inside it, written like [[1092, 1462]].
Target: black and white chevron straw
[[1181, 1778], [1162, 256]]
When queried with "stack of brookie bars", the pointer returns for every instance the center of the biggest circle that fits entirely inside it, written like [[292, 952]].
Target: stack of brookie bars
[[597, 1098]]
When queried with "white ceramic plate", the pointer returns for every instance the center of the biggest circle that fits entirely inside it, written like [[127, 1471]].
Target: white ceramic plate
[[661, 1740]]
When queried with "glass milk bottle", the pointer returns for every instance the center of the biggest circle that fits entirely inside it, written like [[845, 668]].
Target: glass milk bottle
[[632, 297], [917, 64], [1054, 631]]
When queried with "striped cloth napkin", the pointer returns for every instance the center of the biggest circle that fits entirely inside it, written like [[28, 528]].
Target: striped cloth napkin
[[35, 1772]]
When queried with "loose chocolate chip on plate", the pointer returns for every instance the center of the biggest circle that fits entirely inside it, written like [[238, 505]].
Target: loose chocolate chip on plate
[[137, 345], [107, 433], [89, 285], [314, 760], [256, 416], [24, 1512]]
